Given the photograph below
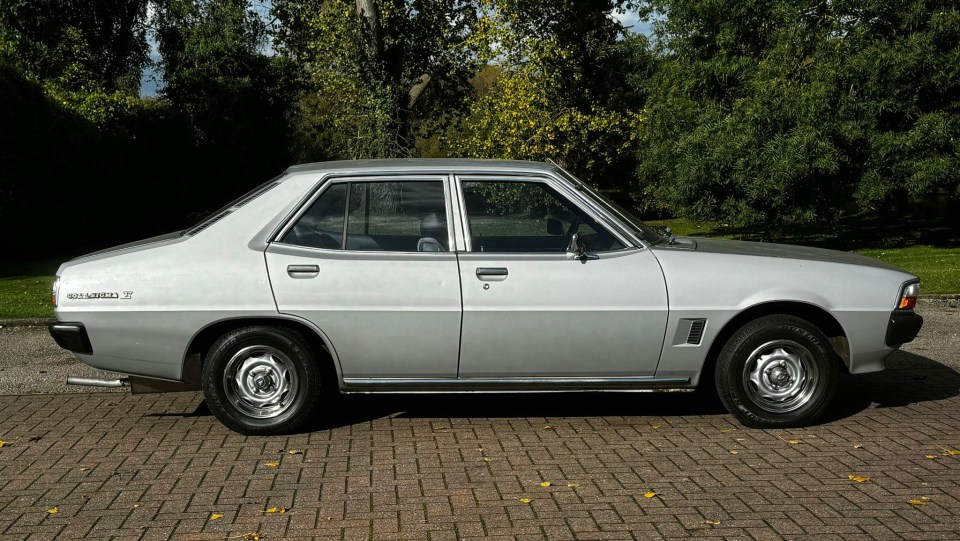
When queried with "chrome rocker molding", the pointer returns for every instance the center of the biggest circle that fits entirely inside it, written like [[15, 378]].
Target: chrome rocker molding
[[508, 385]]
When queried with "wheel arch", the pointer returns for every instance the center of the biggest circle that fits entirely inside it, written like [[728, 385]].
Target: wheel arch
[[201, 342], [810, 312]]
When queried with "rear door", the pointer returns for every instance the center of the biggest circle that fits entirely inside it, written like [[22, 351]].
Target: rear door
[[368, 261], [530, 309]]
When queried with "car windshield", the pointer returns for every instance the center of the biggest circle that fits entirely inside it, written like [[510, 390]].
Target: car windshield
[[642, 230]]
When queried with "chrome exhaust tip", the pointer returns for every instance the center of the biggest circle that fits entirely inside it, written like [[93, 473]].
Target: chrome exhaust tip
[[93, 382]]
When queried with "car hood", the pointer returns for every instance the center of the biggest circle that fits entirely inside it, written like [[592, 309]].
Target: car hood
[[783, 251]]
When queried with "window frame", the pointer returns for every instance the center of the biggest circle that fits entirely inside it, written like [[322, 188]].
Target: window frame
[[552, 184], [328, 182]]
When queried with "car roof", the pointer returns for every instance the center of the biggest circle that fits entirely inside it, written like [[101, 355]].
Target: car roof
[[427, 165]]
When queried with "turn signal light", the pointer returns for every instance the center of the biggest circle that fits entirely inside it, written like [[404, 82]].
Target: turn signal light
[[55, 291], [908, 300]]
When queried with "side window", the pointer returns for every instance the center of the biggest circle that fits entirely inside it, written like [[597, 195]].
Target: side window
[[507, 216], [322, 225], [405, 216]]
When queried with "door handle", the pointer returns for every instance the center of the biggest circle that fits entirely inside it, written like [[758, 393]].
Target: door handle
[[492, 274], [303, 271]]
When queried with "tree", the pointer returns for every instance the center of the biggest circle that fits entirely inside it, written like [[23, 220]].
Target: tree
[[377, 69], [791, 112]]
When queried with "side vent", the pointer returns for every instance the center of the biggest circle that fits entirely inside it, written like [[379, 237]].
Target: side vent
[[255, 194], [208, 223], [696, 331], [689, 332]]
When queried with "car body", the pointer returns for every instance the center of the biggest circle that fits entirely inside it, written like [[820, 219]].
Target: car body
[[467, 276]]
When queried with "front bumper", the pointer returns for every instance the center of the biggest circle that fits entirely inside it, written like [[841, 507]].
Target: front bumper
[[71, 336], [903, 327]]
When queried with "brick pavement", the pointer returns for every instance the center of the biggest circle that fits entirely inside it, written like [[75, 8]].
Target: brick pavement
[[160, 466]]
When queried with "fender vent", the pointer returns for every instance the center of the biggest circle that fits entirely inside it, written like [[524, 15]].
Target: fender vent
[[208, 223], [696, 331], [254, 194]]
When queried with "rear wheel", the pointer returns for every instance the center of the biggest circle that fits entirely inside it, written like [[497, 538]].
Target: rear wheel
[[777, 371], [261, 380]]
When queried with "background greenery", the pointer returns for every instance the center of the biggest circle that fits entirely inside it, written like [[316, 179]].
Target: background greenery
[[767, 117]]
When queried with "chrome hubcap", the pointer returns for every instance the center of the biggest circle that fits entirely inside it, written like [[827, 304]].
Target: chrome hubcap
[[780, 376], [260, 381]]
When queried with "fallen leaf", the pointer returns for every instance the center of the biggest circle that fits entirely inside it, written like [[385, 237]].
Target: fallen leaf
[[271, 464], [252, 536], [932, 457], [525, 500], [485, 459], [794, 442], [858, 446], [734, 452], [216, 516], [2, 443], [572, 485], [84, 469], [916, 502], [725, 430], [714, 522], [655, 427], [278, 510], [53, 510], [649, 494], [549, 427], [924, 498], [951, 452], [858, 478], [136, 506], [295, 452], [546, 484]]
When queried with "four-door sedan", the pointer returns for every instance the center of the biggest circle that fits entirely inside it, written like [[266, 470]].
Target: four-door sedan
[[412, 276]]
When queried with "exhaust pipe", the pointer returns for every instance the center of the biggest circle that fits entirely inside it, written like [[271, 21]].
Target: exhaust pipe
[[93, 382]]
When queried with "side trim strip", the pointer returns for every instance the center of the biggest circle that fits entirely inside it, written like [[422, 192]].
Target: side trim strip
[[505, 385]]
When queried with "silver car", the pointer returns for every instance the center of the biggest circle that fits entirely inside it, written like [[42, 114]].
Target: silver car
[[413, 276]]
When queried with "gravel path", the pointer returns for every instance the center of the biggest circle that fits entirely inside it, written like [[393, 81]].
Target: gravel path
[[30, 362]]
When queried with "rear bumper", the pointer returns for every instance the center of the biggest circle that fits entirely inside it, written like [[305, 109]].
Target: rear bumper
[[902, 328], [71, 336]]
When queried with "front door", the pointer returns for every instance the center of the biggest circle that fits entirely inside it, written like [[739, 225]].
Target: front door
[[369, 263], [531, 309]]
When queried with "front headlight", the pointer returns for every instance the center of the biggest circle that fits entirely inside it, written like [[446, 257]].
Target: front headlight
[[908, 296], [56, 291]]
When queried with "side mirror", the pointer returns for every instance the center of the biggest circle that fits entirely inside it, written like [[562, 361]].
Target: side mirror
[[554, 226], [579, 249]]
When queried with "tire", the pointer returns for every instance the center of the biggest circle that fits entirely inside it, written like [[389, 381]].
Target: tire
[[262, 380], [777, 371]]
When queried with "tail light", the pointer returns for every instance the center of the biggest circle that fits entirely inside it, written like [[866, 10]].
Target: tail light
[[55, 293], [908, 296]]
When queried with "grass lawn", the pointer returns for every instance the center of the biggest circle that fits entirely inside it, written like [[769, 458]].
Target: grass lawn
[[25, 289], [938, 268]]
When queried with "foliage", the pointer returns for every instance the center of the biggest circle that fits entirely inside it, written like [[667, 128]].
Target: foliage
[[786, 112], [376, 69]]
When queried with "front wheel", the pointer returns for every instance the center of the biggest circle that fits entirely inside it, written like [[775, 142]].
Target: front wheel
[[261, 380], [777, 371]]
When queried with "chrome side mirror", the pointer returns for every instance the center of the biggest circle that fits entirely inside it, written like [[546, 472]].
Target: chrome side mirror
[[579, 249]]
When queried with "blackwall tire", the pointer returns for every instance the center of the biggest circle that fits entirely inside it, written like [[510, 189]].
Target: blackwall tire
[[262, 380], [777, 371]]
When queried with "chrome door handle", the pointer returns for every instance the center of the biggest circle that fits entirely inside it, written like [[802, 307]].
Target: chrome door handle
[[492, 274], [303, 271]]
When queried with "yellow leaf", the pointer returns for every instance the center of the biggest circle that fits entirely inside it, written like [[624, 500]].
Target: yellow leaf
[[485, 459], [714, 522], [916, 502], [858, 478], [655, 427], [53, 510], [216, 516], [734, 452], [295, 452], [932, 457], [278, 510], [794, 442], [525, 500], [572, 485], [546, 484], [136, 506], [252, 536], [271, 464], [649, 494], [951, 452], [2, 443]]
